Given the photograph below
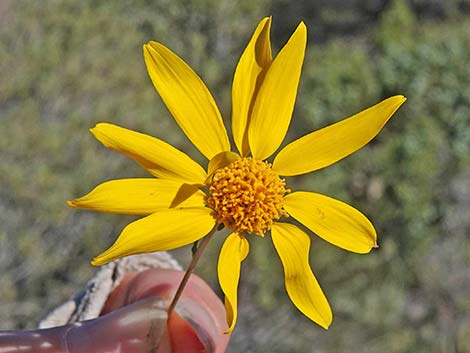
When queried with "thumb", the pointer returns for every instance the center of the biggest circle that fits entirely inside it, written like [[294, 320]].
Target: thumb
[[199, 315], [138, 327]]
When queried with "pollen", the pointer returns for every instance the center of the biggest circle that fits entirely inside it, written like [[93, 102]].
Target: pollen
[[247, 196]]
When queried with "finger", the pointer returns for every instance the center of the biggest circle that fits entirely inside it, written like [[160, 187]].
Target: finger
[[140, 327], [137, 328], [199, 306], [30, 341]]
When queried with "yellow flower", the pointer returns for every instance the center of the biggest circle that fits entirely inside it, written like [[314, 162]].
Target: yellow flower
[[241, 190]]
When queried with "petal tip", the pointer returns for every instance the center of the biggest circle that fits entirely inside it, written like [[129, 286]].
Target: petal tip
[[266, 19], [99, 125], [400, 99], [94, 130], [145, 49], [368, 249], [94, 262], [98, 261], [148, 50], [100, 131], [230, 329], [325, 325], [327, 320], [150, 44], [302, 27], [153, 47], [71, 203]]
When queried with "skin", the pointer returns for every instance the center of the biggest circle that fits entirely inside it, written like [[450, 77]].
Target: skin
[[134, 320]]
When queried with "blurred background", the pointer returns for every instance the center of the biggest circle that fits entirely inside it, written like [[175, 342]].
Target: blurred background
[[66, 65]]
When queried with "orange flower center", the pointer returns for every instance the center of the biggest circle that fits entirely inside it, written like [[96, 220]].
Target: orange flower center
[[247, 196]]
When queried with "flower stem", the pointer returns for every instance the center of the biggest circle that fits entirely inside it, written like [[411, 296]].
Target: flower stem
[[196, 255]]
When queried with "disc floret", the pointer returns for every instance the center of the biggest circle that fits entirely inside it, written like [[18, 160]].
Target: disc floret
[[247, 196]]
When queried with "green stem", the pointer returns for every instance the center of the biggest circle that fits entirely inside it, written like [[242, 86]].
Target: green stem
[[196, 255]]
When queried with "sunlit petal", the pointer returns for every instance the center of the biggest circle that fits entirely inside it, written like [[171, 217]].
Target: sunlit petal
[[163, 230], [332, 220], [248, 77], [293, 247], [326, 146], [159, 158], [187, 98], [233, 252], [138, 196], [272, 110]]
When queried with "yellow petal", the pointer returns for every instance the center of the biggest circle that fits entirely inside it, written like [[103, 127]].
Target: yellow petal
[[248, 77], [221, 160], [233, 252], [163, 230], [332, 220], [272, 110], [293, 247], [326, 146], [137, 196], [187, 98], [159, 158]]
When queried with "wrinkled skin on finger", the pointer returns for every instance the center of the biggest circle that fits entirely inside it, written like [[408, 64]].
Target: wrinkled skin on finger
[[134, 320]]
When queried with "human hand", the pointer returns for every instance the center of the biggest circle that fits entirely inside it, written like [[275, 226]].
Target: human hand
[[134, 320]]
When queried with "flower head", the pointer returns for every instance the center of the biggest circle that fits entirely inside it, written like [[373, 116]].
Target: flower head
[[243, 191], [247, 196]]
